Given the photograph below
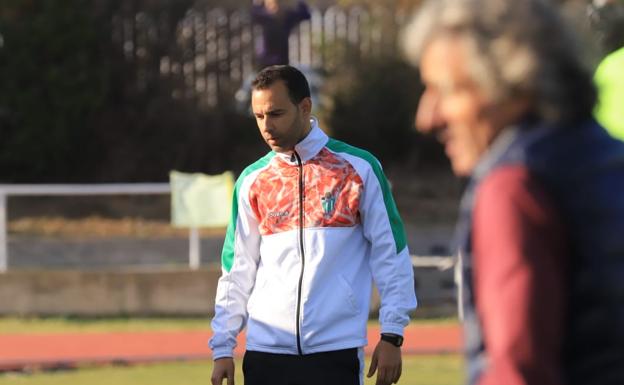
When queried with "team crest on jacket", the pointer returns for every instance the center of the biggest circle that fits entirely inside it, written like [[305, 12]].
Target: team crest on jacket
[[328, 202]]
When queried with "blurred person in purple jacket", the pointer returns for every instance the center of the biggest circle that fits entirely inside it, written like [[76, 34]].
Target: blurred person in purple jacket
[[277, 21]]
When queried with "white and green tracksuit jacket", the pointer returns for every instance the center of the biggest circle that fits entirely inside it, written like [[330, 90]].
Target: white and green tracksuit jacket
[[309, 233]]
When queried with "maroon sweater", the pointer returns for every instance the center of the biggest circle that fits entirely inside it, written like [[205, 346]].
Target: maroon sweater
[[519, 275]]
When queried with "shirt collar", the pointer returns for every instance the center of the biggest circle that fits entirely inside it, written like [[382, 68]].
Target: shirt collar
[[309, 146]]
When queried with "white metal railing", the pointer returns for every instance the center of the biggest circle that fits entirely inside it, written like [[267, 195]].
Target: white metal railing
[[437, 261], [7, 190]]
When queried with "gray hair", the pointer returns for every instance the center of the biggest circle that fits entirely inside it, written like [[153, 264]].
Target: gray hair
[[515, 47]]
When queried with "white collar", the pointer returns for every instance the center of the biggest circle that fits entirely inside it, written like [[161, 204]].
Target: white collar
[[309, 146]]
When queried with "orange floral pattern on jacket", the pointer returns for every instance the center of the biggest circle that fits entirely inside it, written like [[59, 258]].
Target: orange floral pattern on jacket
[[332, 191]]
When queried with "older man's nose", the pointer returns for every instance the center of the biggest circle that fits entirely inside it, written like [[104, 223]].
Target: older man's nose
[[428, 116]]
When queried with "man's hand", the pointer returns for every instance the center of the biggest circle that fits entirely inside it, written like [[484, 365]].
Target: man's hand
[[223, 368], [387, 361]]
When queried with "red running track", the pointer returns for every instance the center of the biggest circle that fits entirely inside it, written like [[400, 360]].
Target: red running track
[[58, 350]]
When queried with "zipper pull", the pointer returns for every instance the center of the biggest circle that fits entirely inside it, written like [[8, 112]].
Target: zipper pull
[[292, 157]]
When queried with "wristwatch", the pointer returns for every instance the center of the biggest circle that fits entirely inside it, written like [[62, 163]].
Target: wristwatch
[[394, 339]]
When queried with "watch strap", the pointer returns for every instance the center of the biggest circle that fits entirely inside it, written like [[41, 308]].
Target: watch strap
[[394, 339]]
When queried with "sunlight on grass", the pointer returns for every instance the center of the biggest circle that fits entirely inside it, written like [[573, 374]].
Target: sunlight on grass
[[417, 370], [100, 227], [26, 325], [73, 325]]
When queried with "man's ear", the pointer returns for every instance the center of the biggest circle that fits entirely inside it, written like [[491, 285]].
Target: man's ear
[[306, 106]]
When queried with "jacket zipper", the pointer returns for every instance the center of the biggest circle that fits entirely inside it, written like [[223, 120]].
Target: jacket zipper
[[301, 196]]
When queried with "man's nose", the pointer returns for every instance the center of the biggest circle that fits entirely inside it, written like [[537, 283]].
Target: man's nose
[[267, 125], [428, 116]]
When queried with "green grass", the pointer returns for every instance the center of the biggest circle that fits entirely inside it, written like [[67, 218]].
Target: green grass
[[24, 325], [417, 370], [21, 325]]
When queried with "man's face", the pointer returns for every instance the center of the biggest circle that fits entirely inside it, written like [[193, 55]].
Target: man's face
[[273, 6], [282, 124], [453, 104]]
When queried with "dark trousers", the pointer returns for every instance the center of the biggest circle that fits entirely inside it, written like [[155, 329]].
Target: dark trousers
[[339, 367]]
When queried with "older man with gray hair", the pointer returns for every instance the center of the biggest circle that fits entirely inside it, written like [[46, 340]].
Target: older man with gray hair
[[541, 228]]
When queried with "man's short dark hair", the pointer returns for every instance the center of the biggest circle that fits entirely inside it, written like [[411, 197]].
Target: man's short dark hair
[[295, 81]]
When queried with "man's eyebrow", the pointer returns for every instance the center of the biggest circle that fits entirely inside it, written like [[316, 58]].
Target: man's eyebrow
[[277, 110], [270, 112]]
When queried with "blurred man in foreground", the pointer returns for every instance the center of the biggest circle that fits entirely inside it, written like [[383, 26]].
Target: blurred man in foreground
[[541, 229]]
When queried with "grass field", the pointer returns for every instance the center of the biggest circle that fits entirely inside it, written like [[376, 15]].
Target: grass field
[[417, 370], [76, 325], [68, 324]]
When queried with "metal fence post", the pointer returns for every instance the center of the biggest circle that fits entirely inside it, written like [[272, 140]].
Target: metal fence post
[[194, 247]]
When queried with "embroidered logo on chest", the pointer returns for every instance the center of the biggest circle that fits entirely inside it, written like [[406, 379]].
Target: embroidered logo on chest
[[328, 201]]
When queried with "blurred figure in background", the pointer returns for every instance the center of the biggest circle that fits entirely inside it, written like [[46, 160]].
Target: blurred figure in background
[[607, 21], [277, 20], [541, 227]]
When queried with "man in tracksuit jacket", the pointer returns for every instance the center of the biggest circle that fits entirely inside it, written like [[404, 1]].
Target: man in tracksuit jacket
[[313, 224]]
